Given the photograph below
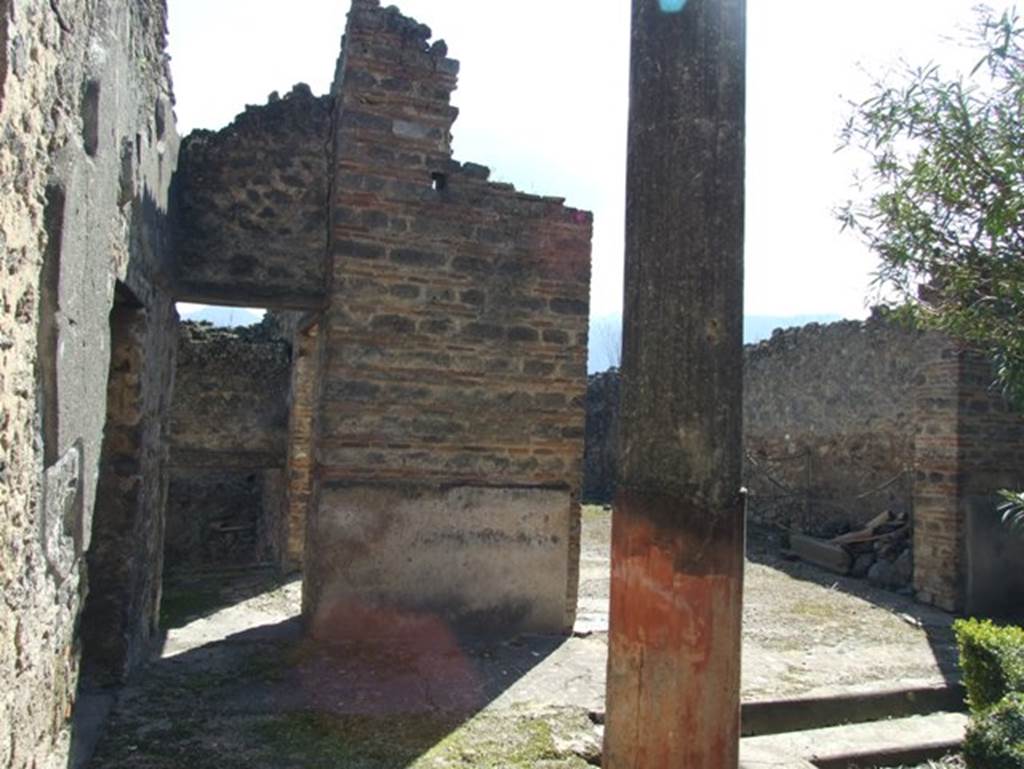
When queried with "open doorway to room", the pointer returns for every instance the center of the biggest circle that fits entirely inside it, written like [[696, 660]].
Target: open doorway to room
[[227, 535], [123, 556], [124, 552]]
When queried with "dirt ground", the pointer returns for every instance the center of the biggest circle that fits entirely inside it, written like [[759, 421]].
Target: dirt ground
[[236, 685]]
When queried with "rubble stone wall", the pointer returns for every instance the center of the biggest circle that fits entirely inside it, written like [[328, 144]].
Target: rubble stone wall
[[834, 413], [600, 460], [228, 445], [252, 227], [829, 413], [451, 403], [88, 150]]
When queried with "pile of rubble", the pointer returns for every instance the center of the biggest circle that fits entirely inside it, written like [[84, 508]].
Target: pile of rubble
[[880, 551]]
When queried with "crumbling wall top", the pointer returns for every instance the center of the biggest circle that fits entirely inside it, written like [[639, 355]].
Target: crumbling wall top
[[252, 206]]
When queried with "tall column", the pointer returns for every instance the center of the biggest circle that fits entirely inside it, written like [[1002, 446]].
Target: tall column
[[678, 526]]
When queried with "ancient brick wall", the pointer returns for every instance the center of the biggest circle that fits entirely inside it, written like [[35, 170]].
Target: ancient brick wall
[[302, 407], [88, 150], [228, 445], [126, 553], [969, 443], [829, 413], [451, 414], [832, 413], [252, 223]]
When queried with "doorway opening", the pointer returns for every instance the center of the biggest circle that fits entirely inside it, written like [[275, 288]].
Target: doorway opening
[[227, 458]]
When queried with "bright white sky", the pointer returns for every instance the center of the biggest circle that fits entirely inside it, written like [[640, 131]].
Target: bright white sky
[[543, 98]]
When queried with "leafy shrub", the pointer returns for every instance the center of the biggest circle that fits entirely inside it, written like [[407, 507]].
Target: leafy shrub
[[992, 659], [995, 738], [1012, 510]]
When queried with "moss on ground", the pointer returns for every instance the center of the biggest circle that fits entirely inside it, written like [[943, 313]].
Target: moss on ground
[[316, 740], [487, 741]]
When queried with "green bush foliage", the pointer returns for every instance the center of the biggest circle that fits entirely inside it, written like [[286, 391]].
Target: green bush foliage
[[995, 738], [992, 660]]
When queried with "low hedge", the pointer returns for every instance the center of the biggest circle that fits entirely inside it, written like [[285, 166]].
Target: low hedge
[[995, 738], [992, 661]]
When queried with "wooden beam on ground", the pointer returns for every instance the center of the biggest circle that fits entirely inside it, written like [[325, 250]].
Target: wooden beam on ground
[[821, 553], [678, 526]]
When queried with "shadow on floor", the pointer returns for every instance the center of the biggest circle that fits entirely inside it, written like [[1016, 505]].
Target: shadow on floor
[[765, 547], [265, 696], [185, 598]]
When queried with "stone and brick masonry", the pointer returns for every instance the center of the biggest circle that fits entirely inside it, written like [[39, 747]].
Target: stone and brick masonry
[[87, 149], [454, 367], [437, 416], [829, 412], [252, 206], [436, 436], [846, 420], [228, 445], [968, 443]]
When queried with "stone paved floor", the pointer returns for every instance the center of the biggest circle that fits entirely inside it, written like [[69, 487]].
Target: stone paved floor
[[237, 686]]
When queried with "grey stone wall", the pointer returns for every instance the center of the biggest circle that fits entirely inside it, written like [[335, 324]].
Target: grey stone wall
[[87, 152], [828, 423], [228, 445], [829, 413]]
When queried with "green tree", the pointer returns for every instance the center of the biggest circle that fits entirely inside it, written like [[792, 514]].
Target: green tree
[[943, 203]]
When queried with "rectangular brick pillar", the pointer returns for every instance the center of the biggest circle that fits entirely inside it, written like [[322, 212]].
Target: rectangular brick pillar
[[939, 554], [969, 444], [449, 435], [678, 525]]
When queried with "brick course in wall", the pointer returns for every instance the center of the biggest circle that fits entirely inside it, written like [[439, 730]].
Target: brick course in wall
[[299, 468], [455, 358], [125, 559]]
